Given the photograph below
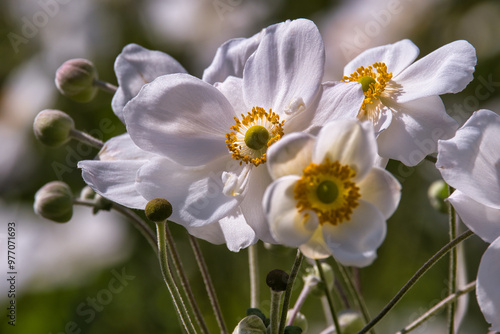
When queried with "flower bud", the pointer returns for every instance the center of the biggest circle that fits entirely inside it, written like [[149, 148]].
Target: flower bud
[[437, 193], [53, 127], [101, 203], [351, 322], [54, 201], [87, 193], [312, 277], [75, 79], [158, 210], [277, 280]]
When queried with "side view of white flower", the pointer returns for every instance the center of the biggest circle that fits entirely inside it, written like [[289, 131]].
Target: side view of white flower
[[402, 96], [327, 197], [470, 163]]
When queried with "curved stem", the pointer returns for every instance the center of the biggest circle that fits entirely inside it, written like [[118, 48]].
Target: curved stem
[[308, 284], [208, 283], [254, 274], [169, 280], [288, 291], [105, 86], [86, 138], [438, 307], [427, 265], [194, 310], [329, 297]]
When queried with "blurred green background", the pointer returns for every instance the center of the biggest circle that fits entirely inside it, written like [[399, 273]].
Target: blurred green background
[[62, 268]]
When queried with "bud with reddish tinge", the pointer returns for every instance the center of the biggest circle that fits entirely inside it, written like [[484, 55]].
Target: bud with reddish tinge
[[75, 79]]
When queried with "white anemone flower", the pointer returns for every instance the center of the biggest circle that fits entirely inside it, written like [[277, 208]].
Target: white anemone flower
[[402, 96], [204, 145], [328, 197], [470, 163]]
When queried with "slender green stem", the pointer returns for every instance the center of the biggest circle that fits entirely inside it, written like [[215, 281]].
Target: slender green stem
[[208, 284], [427, 265], [254, 276], [452, 274], [438, 307], [193, 308], [329, 297], [275, 311], [138, 223], [105, 86], [288, 291], [354, 292], [86, 138], [169, 280]]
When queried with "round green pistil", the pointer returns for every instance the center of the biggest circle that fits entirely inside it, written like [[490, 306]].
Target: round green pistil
[[366, 82], [256, 137], [327, 192]]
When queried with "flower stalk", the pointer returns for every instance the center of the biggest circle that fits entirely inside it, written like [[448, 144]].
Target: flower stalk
[[288, 291], [329, 298], [452, 273]]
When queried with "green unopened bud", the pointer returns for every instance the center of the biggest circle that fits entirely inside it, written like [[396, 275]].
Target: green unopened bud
[[437, 193], [313, 278], [158, 210], [277, 280], [251, 324], [350, 322], [53, 127], [87, 193], [75, 79], [54, 201]]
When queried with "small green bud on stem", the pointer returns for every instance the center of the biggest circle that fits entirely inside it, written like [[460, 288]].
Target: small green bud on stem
[[54, 201], [437, 193], [75, 79], [53, 127]]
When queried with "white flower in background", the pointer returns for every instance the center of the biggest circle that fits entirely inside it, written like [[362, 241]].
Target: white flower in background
[[402, 96], [470, 163], [207, 143], [328, 198]]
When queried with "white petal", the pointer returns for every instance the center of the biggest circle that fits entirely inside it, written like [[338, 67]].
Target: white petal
[[482, 220], [316, 248], [230, 59], [487, 291], [196, 193], [354, 242], [338, 100], [381, 189], [251, 206], [114, 180], [232, 88], [415, 129], [396, 56], [349, 142], [288, 226], [470, 161], [136, 66], [288, 65], [181, 117], [237, 233], [123, 148], [290, 155], [382, 116], [447, 70]]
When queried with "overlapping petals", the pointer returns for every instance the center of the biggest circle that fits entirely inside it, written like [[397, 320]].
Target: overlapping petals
[[408, 114], [354, 240], [470, 162]]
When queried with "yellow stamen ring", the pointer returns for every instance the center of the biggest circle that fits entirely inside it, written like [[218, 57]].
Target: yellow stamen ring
[[328, 190], [373, 79], [250, 138]]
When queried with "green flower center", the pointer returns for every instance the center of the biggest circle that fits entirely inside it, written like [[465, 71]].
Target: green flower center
[[327, 192], [256, 137], [366, 82]]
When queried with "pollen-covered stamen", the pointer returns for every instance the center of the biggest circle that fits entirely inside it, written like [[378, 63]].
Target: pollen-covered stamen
[[328, 190], [250, 138], [373, 80]]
